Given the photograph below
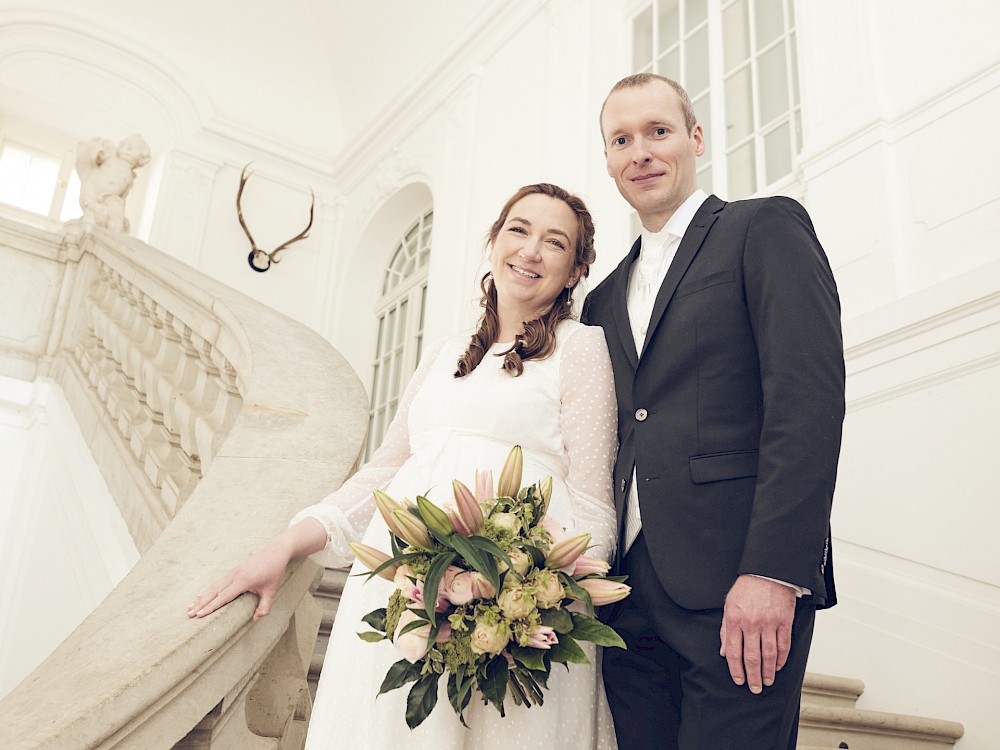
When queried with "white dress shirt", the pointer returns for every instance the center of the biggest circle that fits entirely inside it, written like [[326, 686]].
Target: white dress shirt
[[656, 253]]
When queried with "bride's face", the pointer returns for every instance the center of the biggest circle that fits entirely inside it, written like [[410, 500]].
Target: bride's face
[[533, 257]]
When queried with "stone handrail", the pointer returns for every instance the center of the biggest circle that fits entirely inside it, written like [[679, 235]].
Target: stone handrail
[[214, 419]]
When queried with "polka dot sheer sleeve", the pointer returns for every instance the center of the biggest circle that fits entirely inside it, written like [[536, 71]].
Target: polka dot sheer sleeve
[[345, 513], [589, 417]]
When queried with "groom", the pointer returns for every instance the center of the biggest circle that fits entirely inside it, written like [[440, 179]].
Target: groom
[[723, 324]]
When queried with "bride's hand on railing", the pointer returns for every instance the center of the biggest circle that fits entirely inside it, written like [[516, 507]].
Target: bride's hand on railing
[[262, 573]]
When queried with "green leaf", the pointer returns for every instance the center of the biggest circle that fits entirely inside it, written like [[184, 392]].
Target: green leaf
[[557, 619], [421, 700], [375, 618], [568, 650], [432, 581], [483, 563], [398, 675], [459, 692], [490, 547], [532, 658], [412, 625], [588, 629], [577, 591], [371, 636], [493, 684], [537, 556]]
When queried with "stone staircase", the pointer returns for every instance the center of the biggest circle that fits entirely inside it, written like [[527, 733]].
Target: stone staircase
[[829, 719]]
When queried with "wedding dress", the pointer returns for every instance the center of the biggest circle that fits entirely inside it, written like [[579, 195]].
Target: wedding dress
[[562, 412]]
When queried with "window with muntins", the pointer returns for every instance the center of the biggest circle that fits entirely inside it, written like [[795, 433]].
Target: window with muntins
[[45, 184], [400, 313], [737, 61]]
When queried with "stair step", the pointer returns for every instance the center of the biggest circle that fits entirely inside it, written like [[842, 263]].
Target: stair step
[[828, 726], [829, 690]]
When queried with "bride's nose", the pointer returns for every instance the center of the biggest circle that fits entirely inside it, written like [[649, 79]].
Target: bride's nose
[[529, 251]]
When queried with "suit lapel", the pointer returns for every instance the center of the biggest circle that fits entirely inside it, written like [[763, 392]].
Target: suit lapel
[[619, 301], [695, 235]]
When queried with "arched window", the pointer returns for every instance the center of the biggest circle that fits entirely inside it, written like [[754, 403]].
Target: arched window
[[400, 313]]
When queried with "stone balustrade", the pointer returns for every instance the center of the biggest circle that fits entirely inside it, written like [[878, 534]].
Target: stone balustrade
[[213, 420]]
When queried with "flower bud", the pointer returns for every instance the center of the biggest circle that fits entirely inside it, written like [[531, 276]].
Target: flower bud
[[586, 565], [412, 530], [545, 495], [564, 554], [371, 558], [435, 518], [541, 636], [484, 485], [602, 591], [386, 506], [468, 508], [510, 477]]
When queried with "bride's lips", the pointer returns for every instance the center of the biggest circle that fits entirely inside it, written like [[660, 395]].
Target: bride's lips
[[523, 273]]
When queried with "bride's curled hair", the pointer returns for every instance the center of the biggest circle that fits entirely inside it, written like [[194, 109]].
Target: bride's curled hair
[[538, 340]]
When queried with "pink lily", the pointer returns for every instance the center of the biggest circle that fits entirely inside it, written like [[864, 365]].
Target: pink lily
[[587, 565], [484, 485], [542, 636], [371, 558], [602, 591], [510, 476], [468, 508], [564, 554]]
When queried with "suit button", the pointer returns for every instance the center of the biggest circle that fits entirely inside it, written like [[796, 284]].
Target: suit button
[[640, 415]]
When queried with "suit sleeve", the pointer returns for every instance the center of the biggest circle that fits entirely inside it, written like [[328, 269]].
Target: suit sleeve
[[794, 310]]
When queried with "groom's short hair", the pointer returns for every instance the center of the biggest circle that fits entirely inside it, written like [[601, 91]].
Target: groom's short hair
[[641, 79]]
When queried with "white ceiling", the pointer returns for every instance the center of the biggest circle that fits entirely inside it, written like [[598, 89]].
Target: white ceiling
[[309, 73]]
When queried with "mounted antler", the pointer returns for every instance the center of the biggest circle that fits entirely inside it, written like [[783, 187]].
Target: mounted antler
[[272, 257]]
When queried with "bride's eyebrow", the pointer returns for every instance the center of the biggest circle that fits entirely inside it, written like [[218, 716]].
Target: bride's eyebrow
[[550, 231]]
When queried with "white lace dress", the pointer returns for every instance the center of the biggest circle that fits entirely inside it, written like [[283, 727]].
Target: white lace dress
[[561, 410]]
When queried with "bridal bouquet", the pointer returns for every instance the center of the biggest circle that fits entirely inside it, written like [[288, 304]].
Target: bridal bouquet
[[483, 589]]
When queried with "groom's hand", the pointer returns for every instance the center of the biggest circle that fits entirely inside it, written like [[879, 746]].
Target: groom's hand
[[756, 633]]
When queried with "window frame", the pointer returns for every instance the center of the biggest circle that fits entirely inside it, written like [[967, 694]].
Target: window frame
[[397, 353], [714, 171]]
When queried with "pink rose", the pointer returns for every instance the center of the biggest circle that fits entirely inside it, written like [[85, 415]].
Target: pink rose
[[462, 589], [413, 644]]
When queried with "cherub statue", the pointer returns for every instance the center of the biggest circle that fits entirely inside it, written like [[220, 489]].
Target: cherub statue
[[106, 177]]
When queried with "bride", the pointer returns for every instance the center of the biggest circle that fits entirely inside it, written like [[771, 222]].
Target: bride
[[529, 375]]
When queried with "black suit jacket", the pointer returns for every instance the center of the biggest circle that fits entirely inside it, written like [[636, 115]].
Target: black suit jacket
[[732, 416]]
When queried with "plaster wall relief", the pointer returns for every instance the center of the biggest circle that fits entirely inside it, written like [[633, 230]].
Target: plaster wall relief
[[180, 212]]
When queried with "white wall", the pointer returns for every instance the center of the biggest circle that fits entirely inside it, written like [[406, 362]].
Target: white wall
[[63, 542]]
